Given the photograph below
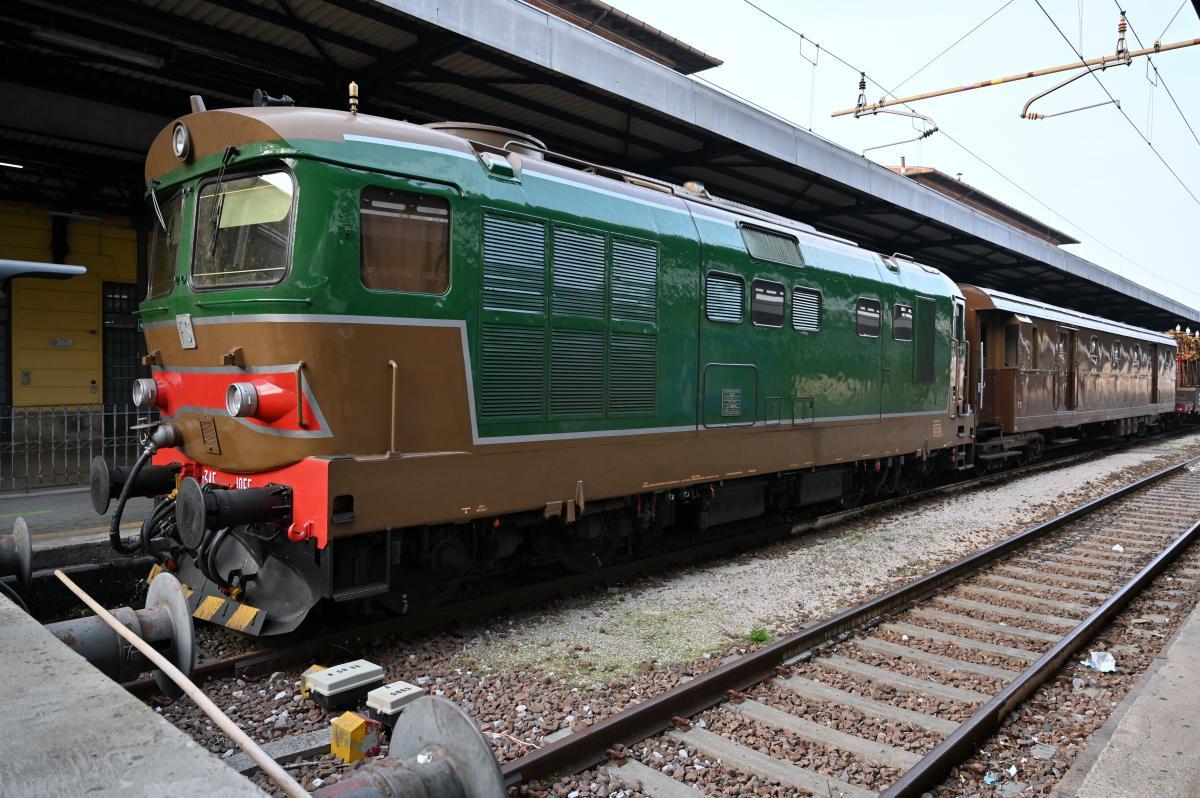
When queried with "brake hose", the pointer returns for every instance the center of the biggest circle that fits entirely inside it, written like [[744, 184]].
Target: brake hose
[[156, 517], [114, 531]]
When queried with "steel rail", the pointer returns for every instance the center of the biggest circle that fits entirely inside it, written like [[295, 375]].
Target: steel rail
[[584, 749], [290, 650], [959, 745]]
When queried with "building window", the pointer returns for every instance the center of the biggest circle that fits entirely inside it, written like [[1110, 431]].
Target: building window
[[766, 303], [243, 231], [902, 323], [165, 249], [806, 309], [724, 298], [405, 241], [771, 246], [867, 315]]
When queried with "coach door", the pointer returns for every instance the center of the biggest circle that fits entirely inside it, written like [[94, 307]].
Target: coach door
[[1064, 370], [1153, 374]]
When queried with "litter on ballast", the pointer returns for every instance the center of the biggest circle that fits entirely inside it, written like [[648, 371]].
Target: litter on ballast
[[991, 778], [1118, 548], [1101, 661]]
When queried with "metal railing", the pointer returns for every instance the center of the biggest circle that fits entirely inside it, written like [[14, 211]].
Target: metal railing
[[46, 447]]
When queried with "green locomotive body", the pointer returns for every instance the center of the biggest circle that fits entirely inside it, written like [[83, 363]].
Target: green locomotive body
[[391, 356]]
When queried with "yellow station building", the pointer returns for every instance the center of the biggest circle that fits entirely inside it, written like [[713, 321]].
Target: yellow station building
[[74, 341]]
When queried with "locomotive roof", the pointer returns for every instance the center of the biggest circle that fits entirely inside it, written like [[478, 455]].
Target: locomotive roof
[[213, 131], [1074, 318]]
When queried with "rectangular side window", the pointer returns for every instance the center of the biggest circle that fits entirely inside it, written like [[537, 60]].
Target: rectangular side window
[[902, 323], [806, 309], [1094, 353], [771, 246], [1035, 349], [1137, 357], [867, 314], [1116, 355], [766, 303], [405, 241], [724, 298]]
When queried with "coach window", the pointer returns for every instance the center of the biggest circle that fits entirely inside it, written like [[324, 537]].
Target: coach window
[[1035, 336], [1094, 353], [1012, 340], [767, 300], [165, 249], [405, 241], [243, 230], [867, 315], [1116, 355], [1137, 358], [724, 298], [902, 323]]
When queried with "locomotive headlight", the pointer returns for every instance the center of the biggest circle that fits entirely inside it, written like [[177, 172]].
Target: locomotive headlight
[[181, 141], [145, 393], [241, 400]]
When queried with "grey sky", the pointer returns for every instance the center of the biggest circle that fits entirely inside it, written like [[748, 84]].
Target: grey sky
[[1089, 167]]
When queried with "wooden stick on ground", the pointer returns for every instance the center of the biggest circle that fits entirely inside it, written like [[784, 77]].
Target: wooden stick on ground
[[269, 766]]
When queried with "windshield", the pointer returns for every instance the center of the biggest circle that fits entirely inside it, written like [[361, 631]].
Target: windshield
[[165, 249], [243, 231]]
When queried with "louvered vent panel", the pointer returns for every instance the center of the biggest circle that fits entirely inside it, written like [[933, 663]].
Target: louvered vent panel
[[724, 298], [512, 379], [514, 265], [806, 310], [577, 372], [634, 282], [774, 247], [578, 274], [633, 366]]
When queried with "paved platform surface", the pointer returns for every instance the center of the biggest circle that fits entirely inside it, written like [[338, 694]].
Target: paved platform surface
[[70, 730], [64, 512], [1151, 745]]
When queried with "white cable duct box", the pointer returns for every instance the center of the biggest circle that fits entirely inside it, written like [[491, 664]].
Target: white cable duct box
[[386, 703], [346, 684]]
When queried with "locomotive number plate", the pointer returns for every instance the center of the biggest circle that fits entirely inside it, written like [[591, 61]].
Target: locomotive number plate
[[187, 335], [208, 432]]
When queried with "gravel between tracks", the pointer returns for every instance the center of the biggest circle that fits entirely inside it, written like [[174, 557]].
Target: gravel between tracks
[[527, 674]]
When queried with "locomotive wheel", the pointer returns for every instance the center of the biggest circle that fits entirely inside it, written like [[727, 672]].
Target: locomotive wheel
[[850, 500]]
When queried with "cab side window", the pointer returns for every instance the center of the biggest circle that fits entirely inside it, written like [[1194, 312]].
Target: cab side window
[[405, 241], [867, 317]]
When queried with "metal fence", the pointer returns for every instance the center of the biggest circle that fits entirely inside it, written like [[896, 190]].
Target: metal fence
[[45, 447]]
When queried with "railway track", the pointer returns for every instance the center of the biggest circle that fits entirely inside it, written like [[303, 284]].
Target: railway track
[[308, 642], [943, 661]]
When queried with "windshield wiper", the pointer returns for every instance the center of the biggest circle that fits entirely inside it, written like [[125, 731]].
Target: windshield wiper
[[151, 184], [214, 224]]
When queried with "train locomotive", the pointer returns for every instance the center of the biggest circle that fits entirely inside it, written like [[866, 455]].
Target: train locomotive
[[390, 357]]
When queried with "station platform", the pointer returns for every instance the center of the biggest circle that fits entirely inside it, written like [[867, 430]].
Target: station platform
[[1151, 744], [70, 730]]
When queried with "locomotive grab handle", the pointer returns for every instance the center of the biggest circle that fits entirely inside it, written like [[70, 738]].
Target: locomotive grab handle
[[300, 396], [395, 367]]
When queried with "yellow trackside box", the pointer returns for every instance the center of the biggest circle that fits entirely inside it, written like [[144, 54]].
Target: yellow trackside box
[[354, 737]]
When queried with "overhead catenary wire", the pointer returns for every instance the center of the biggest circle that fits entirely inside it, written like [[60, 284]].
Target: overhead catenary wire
[[1132, 124], [1162, 80], [998, 172], [957, 42]]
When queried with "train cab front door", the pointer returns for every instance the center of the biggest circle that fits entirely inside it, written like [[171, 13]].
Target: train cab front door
[[1064, 370]]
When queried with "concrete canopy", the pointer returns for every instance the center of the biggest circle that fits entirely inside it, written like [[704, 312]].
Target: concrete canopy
[[496, 61]]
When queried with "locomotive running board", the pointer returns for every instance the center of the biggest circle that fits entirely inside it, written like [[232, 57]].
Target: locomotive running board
[[236, 615]]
